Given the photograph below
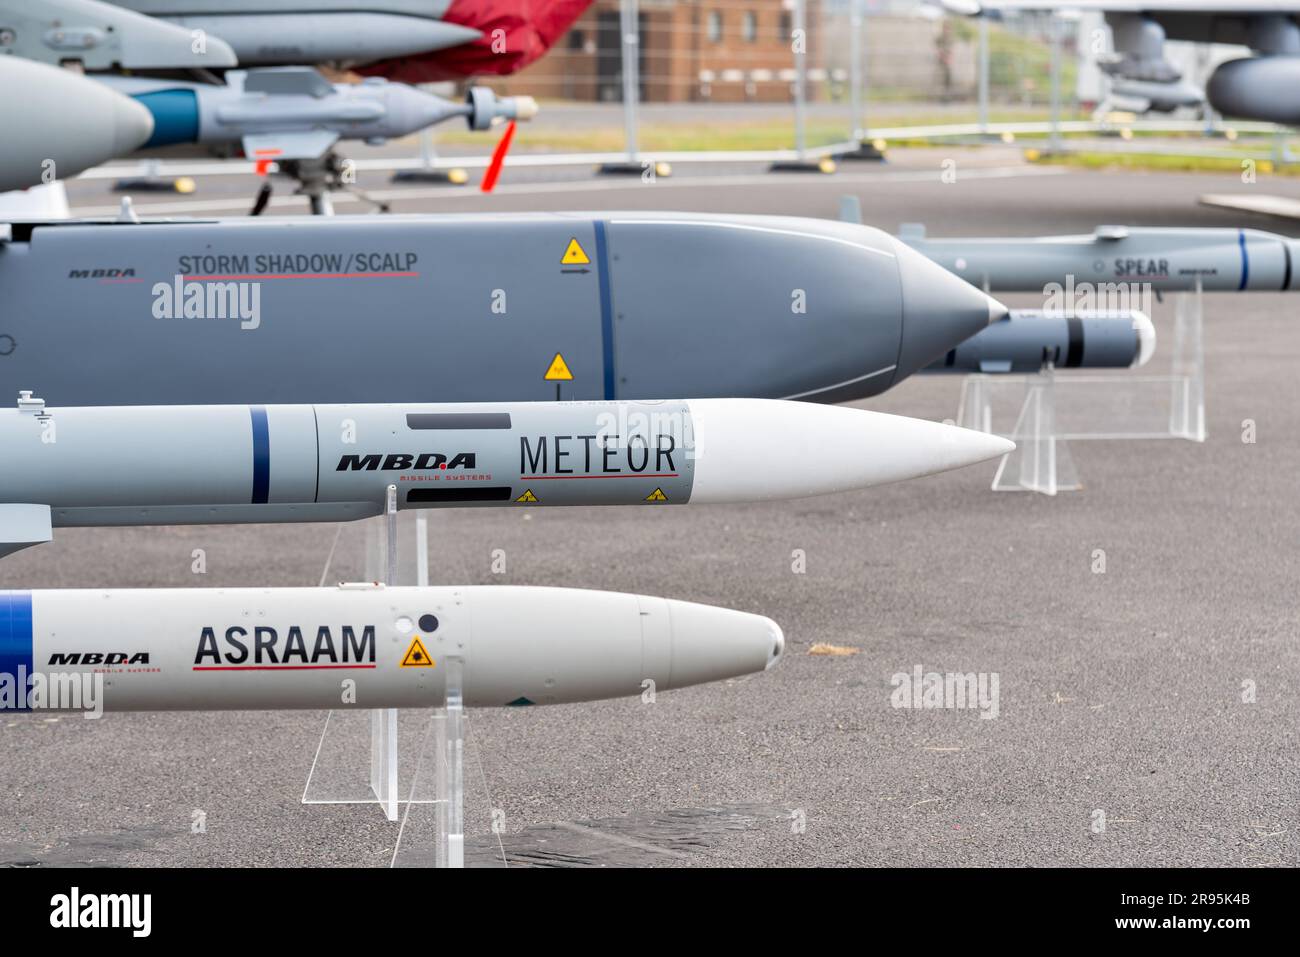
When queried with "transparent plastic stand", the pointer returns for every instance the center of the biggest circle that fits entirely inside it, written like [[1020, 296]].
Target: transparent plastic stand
[[1041, 413], [399, 760]]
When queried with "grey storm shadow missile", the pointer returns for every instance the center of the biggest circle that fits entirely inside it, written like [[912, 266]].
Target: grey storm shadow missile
[[295, 113], [141, 465], [1165, 259], [202, 649], [62, 123], [471, 308], [1029, 339]]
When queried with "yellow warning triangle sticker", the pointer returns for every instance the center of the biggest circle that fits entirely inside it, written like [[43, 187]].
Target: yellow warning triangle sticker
[[416, 656], [575, 255], [528, 496], [657, 496], [558, 369]]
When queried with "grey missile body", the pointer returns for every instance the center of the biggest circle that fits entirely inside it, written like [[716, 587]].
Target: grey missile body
[[1166, 259], [158, 465], [1030, 339], [212, 649], [295, 113], [471, 308]]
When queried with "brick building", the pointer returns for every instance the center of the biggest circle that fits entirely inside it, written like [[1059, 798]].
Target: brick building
[[691, 51]]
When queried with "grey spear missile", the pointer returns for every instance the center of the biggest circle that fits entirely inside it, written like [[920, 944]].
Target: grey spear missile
[[1031, 338], [141, 465], [295, 113], [210, 649], [472, 307], [1165, 259], [67, 122]]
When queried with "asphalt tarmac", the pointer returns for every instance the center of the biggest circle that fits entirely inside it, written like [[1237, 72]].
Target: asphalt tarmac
[[1147, 714]]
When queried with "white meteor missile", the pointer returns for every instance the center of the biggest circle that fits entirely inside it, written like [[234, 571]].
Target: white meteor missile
[[160, 465], [364, 646]]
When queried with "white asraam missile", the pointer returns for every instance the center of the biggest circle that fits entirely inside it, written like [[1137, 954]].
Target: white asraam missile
[[201, 649], [161, 465]]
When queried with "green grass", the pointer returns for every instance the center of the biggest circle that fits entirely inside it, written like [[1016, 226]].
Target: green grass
[[1163, 162]]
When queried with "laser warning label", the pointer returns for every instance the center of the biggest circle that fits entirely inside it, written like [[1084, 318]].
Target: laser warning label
[[558, 370], [416, 656], [575, 255]]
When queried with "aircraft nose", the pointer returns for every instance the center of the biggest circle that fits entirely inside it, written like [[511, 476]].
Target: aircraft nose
[[940, 310]]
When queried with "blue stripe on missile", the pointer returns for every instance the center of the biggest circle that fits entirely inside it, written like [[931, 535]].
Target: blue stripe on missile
[[606, 308], [175, 116], [15, 648], [261, 455], [1245, 260]]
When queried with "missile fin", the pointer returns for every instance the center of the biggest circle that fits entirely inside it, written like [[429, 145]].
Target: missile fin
[[301, 80], [308, 144], [22, 526]]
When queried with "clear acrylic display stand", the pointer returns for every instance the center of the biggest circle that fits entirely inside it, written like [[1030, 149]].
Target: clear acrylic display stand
[[1042, 412], [399, 760]]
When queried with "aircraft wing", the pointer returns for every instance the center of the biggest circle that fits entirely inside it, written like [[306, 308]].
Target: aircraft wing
[[514, 34], [1233, 7]]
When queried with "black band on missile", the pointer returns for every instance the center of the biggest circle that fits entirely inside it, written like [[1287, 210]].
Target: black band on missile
[[1286, 276], [458, 420], [261, 455], [1074, 351], [472, 493]]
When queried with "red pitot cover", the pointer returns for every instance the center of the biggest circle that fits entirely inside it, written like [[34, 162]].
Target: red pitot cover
[[530, 27]]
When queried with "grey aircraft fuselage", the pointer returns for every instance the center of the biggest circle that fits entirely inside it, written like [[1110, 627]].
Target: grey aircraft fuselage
[[470, 308]]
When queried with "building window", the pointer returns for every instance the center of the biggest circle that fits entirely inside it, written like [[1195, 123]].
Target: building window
[[749, 27], [576, 40], [715, 26], [786, 28]]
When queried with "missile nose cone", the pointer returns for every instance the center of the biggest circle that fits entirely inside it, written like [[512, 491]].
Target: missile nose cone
[[967, 446], [778, 644], [132, 125], [710, 644], [1146, 333], [940, 310], [832, 449]]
